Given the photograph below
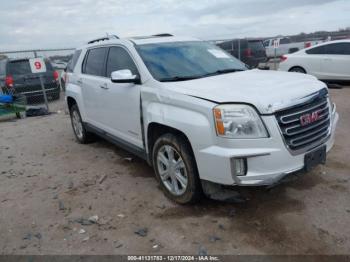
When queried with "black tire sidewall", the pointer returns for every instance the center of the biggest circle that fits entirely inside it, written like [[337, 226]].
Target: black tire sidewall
[[82, 140], [193, 190], [298, 69]]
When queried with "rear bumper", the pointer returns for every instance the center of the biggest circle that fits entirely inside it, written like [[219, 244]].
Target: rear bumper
[[254, 61], [268, 160], [34, 97]]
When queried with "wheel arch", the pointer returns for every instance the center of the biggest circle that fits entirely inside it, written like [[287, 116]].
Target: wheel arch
[[70, 102], [297, 66], [156, 130]]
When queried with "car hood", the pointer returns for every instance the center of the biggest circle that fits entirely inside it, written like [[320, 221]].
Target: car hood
[[268, 91]]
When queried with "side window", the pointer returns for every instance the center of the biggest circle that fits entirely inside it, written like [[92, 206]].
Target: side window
[[118, 59], [284, 41], [320, 50], [71, 64], [338, 49], [95, 62]]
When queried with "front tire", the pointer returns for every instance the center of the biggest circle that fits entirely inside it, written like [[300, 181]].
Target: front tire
[[82, 136], [176, 169]]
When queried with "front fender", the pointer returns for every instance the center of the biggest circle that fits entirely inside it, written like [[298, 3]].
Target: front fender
[[195, 125]]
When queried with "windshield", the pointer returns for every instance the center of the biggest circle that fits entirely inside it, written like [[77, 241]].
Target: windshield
[[179, 61]]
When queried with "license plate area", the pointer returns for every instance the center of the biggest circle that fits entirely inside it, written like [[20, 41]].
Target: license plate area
[[315, 158]]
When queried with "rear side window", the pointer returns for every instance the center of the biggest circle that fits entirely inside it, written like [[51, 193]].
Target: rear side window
[[320, 50], [71, 64], [19, 67], [95, 62], [118, 59], [285, 41], [338, 49]]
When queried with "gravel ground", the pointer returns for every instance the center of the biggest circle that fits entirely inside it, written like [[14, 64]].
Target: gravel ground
[[50, 186]]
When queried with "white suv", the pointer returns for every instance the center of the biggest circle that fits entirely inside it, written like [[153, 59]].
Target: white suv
[[196, 114]]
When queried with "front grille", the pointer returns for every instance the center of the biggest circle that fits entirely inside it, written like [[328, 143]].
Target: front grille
[[298, 136]]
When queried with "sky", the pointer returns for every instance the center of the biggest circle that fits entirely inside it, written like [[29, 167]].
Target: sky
[[27, 24]]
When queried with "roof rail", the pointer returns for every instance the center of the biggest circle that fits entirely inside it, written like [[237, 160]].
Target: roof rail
[[108, 37]]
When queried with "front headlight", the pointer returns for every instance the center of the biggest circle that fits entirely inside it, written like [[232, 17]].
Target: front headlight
[[238, 121]]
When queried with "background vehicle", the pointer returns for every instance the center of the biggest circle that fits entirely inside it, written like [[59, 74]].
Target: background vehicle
[[195, 113], [58, 64], [249, 51], [286, 46], [16, 74], [328, 61]]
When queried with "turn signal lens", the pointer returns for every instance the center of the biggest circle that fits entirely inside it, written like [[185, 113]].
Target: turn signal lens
[[218, 120]]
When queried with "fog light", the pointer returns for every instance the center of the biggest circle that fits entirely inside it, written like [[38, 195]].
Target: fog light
[[239, 166]]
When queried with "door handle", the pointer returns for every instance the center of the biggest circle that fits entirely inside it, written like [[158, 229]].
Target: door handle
[[104, 86]]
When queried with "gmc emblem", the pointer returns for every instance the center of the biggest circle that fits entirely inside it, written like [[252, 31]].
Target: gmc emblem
[[310, 118]]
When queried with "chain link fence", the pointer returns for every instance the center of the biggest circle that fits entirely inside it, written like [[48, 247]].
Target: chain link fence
[[39, 89]]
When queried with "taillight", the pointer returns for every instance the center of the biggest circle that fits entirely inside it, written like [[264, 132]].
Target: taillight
[[307, 44], [9, 81], [283, 58], [248, 52], [55, 75]]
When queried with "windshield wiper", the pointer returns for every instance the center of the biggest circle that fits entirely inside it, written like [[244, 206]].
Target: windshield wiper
[[179, 78], [184, 78], [224, 71]]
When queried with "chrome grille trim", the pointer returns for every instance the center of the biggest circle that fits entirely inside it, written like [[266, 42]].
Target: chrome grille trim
[[309, 134], [305, 129], [303, 111], [300, 138]]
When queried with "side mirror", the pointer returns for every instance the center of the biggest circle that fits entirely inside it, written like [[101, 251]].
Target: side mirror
[[124, 76]]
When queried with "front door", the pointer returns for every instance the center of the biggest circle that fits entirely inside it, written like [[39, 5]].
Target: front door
[[120, 102]]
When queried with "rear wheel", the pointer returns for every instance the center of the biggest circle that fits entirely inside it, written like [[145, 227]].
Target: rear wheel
[[79, 129], [297, 69], [176, 169]]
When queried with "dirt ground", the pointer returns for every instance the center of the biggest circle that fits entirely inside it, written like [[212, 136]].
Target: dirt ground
[[50, 186]]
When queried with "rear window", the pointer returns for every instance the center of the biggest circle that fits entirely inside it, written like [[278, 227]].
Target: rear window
[[20, 67], [256, 45]]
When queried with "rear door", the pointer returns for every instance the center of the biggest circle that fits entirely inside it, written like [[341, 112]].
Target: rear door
[[335, 64], [92, 81], [312, 62]]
